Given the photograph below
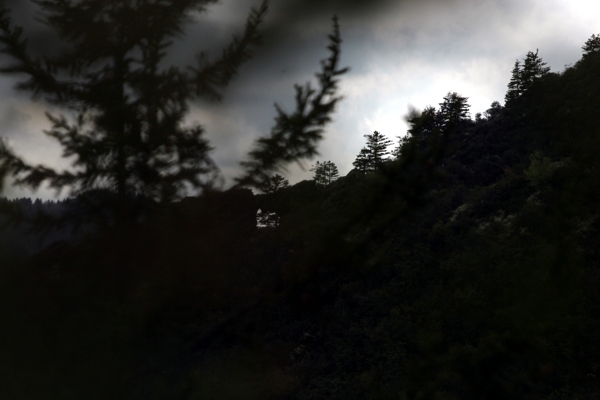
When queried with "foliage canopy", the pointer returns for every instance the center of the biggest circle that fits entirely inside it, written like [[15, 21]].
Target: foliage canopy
[[525, 74], [124, 108], [325, 173], [374, 154]]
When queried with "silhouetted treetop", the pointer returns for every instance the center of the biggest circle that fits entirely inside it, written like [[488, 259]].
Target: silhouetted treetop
[[525, 74], [453, 111], [275, 184], [514, 85], [326, 172], [422, 124], [533, 68], [374, 154], [591, 45], [494, 110]]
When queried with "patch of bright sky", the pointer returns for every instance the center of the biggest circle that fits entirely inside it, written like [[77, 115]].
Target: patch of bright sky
[[415, 60], [26, 121], [412, 57]]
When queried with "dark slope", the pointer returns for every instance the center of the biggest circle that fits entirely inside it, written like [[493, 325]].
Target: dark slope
[[466, 269]]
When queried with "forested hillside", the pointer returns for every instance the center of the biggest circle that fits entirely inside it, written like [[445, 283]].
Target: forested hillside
[[464, 267]]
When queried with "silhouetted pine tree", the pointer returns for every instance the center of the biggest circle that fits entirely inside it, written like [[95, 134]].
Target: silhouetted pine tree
[[374, 155], [591, 45], [269, 218], [127, 136], [422, 124], [454, 111], [363, 161], [295, 135], [524, 75], [533, 68], [402, 140], [325, 173], [493, 111], [275, 184], [514, 85]]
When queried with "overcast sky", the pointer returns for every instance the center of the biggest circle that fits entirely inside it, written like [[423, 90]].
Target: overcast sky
[[401, 54]]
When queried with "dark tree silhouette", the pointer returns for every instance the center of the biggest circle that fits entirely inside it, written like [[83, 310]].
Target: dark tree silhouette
[[125, 109], [514, 85], [423, 124], [533, 68], [295, 136], [454, 111], [362, 162], [430, 123], [270, 218], [126, 134], [377, 145], [326, 172], [276, 183], [591, 45], [397, 151], [525, 74], [374, 155], [493, 111]]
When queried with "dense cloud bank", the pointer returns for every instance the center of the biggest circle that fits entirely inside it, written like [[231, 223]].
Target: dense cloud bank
[[400, 53]]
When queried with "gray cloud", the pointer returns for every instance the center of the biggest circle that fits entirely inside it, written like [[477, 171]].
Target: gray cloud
[[400, 52], [13, 120]]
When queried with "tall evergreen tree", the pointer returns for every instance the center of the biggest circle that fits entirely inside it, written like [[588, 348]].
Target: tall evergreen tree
[[514, 85], [453, 112], [591, 45], [378, 147], [374, 155], [275, 184], [326, 172], [533, 68], [126, 107], [525, 74], [363, 160], [127, 134], [402, 140], [423, 124]]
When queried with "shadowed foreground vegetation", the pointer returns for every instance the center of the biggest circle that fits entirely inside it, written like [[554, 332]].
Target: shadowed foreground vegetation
[[466, 268]]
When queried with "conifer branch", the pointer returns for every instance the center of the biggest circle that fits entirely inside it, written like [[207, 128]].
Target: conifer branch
[[210, 77], [41, 79], [295, 136]]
